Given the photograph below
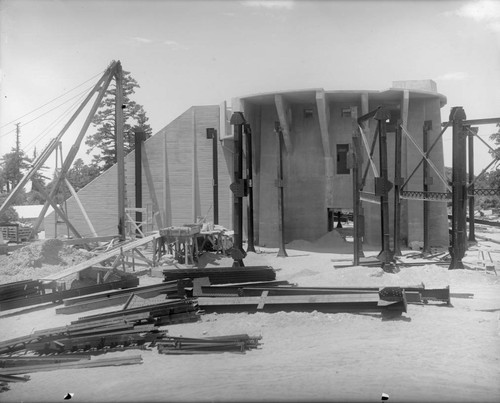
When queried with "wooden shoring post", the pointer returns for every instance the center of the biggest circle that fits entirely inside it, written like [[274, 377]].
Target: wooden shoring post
[[82, 209], [151, 188], [382, 187], [459, 194], [427, 181], [212, 134], [398, 181], [357, 163], [51, 147], [280, 184], [238, 187], [249, 177], [101, 86], [120, 157], [470, 190], [58, 210], [139, 137]]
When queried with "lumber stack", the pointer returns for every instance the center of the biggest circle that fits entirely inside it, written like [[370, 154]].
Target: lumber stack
[[32, 292], [238, 343]]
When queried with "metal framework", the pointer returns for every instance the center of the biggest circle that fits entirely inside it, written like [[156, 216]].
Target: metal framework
[[461, 189], [382, 183]]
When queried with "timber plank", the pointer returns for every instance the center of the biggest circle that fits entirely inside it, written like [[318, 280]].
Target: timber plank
[[100, 258]]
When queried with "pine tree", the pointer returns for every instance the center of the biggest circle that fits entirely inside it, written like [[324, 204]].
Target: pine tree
[[104, 120]]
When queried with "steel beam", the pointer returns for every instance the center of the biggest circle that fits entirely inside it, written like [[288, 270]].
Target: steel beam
[[470, 190], [398, 181], [426, 129], [357, 164], [382, 187], [280, 185], [238, 189], [249, 177], [458, 234]]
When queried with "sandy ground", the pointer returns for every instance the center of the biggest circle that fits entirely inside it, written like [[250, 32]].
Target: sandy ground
[[432, 353]]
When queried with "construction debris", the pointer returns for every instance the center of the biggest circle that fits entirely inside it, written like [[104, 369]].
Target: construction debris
[[101, 300], [33, 292], [223, 275], [238, 343], [101, 362]]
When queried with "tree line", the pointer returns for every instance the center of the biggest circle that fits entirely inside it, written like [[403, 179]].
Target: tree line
[[101, 146]]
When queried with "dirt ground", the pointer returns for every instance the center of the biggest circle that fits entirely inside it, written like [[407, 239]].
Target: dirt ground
[[433, 353]]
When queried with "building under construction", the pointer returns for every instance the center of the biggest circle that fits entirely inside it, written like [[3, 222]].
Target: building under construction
[[187, 175]]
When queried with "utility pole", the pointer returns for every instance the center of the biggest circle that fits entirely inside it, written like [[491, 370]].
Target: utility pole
[[18, 159]]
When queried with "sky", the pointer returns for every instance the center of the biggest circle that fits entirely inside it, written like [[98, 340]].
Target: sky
[[185, 53]]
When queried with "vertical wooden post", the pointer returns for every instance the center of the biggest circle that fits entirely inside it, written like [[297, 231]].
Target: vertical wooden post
[[238, 189], [398, 181], [427, 181], [458, 236], [120, 160], [280, 185], [470, 189], [249, 178]]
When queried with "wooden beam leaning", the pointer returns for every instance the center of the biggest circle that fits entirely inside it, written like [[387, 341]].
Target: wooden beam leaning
[[120, 160], [82, 209], [98, 259], [284, 112], [357, 164]]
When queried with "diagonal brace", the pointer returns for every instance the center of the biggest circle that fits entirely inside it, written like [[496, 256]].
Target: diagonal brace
[[426, 154], [425, 157], [369, 152]]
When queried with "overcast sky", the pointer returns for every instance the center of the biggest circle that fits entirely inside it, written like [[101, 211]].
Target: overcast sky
[[186, 53]]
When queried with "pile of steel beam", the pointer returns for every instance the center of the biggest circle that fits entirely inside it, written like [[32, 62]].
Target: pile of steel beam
[[166, 313], [276, 296], [104, 299], [118, 329], [238, 343], [223, 275], [32, 292], [11, 366]]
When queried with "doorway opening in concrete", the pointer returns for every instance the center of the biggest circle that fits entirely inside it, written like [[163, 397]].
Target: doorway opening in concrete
[[341, 220]]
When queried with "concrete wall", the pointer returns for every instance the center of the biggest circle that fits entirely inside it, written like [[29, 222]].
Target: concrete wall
[[306, 199], [183, 185]]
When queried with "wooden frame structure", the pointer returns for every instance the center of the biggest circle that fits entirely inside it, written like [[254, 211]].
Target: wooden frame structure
[[114, 71]]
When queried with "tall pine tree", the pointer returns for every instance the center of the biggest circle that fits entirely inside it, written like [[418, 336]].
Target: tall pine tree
[[104, 138]]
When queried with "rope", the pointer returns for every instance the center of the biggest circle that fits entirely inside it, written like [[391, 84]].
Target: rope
[[49, 102]]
